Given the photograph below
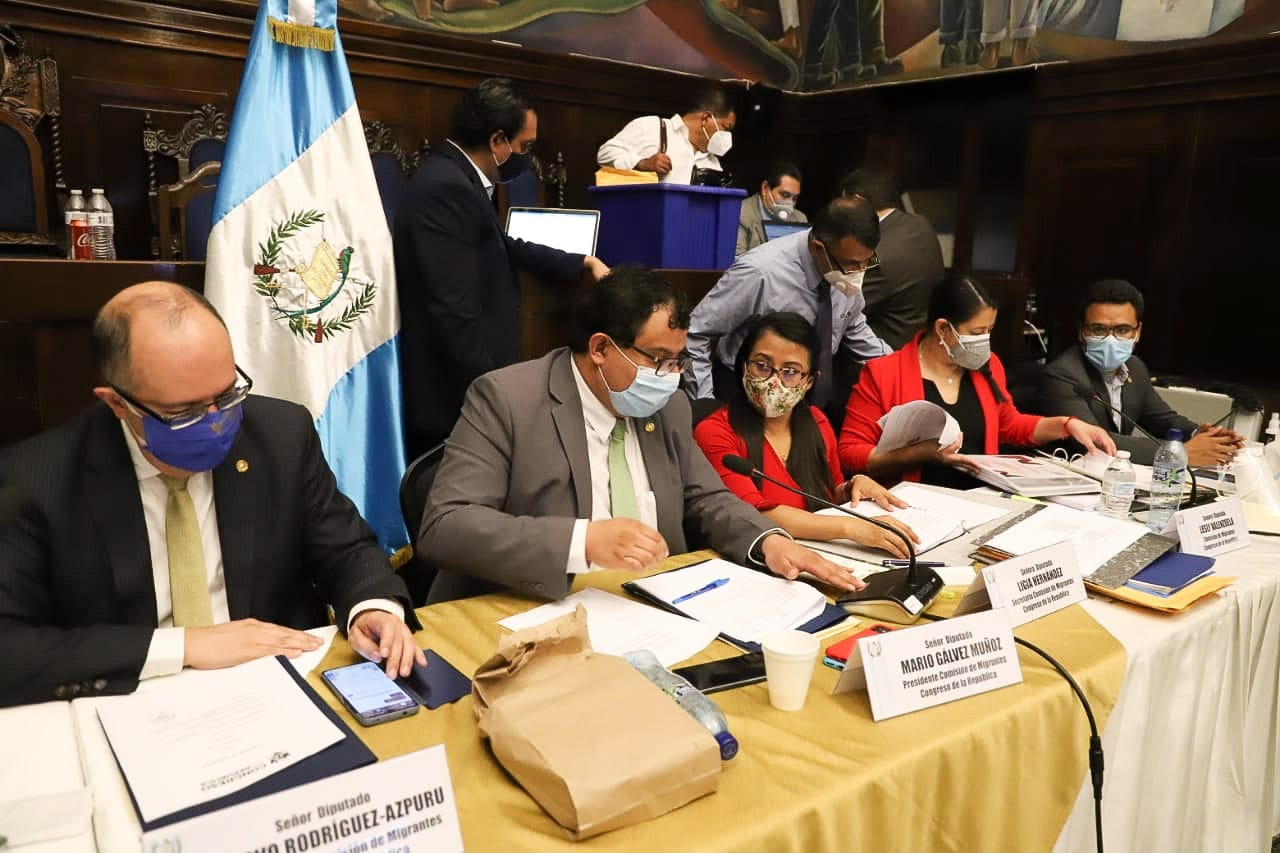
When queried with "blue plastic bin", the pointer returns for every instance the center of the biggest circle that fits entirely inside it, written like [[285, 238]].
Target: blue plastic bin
[[671, 226]]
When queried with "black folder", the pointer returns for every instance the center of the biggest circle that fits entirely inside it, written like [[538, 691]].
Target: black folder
[[347, 754]]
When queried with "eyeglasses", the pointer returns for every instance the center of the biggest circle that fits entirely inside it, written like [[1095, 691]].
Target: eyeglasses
[[789, 376], [663, 365], [1098, 330], [228, 399], [855, 266]]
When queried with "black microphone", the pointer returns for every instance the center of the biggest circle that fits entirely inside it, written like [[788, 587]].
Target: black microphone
[[1084, 391], [895, 595]]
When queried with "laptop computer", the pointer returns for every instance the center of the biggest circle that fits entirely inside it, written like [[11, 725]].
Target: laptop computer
[[774, 230], [568, 230]]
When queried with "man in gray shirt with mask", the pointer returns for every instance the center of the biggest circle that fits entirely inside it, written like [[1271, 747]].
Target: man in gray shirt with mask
[[817, 274]]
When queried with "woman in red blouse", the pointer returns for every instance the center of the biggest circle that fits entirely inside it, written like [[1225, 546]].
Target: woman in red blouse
[[768, 422], [953, 354]]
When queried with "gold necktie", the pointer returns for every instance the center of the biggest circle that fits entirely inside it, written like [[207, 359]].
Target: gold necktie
[[188, 583]]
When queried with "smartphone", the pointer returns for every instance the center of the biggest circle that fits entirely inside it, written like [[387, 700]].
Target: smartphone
[[369, 695], [725, 674]]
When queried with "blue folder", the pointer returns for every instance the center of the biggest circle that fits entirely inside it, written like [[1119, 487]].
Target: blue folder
[[1170, 572]]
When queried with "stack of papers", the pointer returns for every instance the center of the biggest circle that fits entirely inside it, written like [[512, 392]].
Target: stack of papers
[[911, 423], [738, 602], [1030, 476], [617, 626]]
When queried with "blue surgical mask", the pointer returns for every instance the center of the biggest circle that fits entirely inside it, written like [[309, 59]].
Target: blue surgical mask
[[199, 447], [647, 393], [1107, 353]]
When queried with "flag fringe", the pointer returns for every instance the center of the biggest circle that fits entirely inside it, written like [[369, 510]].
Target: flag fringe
[[300, 35]]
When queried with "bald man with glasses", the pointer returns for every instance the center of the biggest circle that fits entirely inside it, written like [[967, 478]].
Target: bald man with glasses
[[180, 522], [1102, 363]]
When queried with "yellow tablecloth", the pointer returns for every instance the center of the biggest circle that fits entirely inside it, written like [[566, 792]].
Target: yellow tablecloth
[[996, 772]]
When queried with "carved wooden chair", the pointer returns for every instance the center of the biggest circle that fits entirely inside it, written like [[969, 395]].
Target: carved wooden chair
[[30, 102], [202, 140]]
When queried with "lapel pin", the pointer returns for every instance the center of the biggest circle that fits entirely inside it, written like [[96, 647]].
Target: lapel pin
[[649, 427], [242, 465]]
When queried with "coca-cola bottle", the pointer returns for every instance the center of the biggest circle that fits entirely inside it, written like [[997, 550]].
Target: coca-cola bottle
[[76, 218], [101, 226]]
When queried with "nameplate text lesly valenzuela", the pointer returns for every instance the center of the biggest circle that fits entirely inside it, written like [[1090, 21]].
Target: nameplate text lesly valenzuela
[[927, 665], [393, 806], [1212, 529]]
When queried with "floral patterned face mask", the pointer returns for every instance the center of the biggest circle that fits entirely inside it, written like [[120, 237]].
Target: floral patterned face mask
[[770, 397]]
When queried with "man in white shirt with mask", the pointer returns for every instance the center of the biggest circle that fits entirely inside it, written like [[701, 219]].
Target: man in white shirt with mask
[[817, 274], [674, 147]]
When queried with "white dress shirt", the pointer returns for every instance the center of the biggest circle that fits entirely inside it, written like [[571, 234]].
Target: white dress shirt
[[484, 179], [640, 138], [168, 644], [1115, 382], [599, 422]]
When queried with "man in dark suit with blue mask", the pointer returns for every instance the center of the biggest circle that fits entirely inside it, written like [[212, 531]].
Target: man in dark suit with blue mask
[[585, 459], [180, 522], [456, 269], [1103, 363]]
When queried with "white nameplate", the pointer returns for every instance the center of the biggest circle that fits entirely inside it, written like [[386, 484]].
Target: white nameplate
[[402, 804], [934, 663], [1212, 529], [1033, 585]]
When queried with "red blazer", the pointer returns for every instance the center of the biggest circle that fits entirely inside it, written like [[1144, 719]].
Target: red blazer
[[716, 437], [895, 379]]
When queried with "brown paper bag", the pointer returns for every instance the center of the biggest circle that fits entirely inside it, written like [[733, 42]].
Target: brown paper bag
[[591, 739]]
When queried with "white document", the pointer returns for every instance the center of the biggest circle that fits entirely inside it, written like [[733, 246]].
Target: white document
[[970, 513], [210, 736], [617, 626], [919, 420], [1096, 537], [932, 528], [748, 605]]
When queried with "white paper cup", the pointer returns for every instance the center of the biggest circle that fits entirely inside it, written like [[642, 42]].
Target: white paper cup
[[789, 658]]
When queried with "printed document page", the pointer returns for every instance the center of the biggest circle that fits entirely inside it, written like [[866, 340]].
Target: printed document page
[[203, 738], [746, 606], [1096, 538], [919, 420], [617, 625]]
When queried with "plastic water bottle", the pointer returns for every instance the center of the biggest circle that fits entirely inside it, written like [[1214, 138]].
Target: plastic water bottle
[[688, 697], [1168, 473], [76, 218], [102, 226], [1117, 487]]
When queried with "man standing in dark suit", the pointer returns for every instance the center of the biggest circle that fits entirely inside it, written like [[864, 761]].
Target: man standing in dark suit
[[160, 526], [584, 459], [455, 266], [1102, 363], [897, 291]]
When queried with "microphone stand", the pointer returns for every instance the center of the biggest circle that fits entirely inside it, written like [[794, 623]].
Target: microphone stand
[[894, 595]]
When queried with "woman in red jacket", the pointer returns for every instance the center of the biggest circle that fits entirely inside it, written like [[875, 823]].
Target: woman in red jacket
[[950, 364], [768, 422]]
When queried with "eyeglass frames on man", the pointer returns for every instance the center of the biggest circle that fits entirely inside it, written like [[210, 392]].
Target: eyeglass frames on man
[[228, 399]]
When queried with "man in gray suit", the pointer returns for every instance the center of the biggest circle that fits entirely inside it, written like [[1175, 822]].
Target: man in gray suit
[[897, 291], [584, 459], [1100, 373], [775, 203]]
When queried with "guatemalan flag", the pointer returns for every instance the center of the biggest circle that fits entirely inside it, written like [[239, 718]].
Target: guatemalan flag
[[299, 258]]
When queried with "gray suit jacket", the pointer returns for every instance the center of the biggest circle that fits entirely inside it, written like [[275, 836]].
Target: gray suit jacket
[[1138, 400], [897, 291], [515, 476], [751, 224]]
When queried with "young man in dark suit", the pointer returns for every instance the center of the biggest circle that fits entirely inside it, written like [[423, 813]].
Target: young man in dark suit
[[180, 522], [585, 459], [456, 267], [1102, 363]]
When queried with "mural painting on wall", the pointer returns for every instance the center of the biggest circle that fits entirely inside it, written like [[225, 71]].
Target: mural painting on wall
[[823, 44]]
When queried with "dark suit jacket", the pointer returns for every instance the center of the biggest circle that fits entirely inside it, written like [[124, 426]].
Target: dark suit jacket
[[459, 295], [515, 476], [1138, 400], [897, 292], [77, 599]]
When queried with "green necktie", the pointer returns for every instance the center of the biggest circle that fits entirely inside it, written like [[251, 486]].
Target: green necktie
[[622, 492], [188, 583]]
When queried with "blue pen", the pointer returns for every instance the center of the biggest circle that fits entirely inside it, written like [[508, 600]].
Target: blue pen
[[715, 584], [924, 564]]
